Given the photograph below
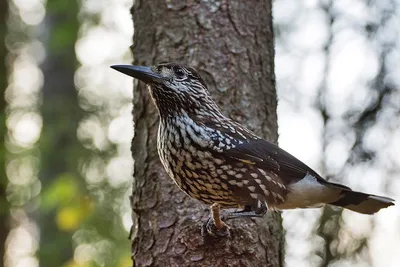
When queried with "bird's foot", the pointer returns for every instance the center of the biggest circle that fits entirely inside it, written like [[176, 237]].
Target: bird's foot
[[211, 229], [249, 211], [215, 226]]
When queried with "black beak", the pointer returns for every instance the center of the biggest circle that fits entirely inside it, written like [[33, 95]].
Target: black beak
[[142, 73]]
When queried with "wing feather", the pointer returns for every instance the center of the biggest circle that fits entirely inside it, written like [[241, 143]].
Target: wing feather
[[262, 154], [270, 157]]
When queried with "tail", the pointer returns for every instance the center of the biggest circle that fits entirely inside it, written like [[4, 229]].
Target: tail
[[361, 202]]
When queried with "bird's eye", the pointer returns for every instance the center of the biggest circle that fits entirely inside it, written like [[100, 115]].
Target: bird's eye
[[179, 73]]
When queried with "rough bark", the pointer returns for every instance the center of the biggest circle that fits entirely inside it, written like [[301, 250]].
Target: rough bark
[[231, 44]]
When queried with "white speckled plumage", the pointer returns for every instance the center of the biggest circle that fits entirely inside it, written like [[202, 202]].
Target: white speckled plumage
[[216, 160]]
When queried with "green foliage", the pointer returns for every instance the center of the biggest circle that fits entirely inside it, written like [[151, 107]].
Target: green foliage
[[79, 222], [59, 192]]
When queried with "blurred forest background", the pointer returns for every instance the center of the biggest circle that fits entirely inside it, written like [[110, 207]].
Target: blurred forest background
[[66, 167]]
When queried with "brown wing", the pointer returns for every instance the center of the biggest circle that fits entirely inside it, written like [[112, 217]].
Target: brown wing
[[270, 157], [264, 155]]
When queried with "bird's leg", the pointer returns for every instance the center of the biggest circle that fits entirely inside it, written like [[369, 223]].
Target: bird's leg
[[216, 216], [214, 226], [249, 211]]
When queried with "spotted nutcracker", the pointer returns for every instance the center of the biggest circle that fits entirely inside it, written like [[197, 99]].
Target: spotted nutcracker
[[221, 163]]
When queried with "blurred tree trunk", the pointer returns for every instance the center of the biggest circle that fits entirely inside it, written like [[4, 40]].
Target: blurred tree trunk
[[231, 44], [4, 207], [360, 121], [61, 114]]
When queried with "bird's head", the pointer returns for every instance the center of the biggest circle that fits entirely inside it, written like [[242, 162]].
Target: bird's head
[[175, 88]]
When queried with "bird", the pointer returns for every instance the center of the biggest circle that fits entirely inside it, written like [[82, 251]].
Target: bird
[[221, 163]]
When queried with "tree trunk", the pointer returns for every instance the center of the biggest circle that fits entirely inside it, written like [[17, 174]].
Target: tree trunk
[[60, 111], [231, 44]]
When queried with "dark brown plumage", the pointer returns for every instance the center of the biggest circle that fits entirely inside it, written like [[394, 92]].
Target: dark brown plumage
[[221, 163]]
